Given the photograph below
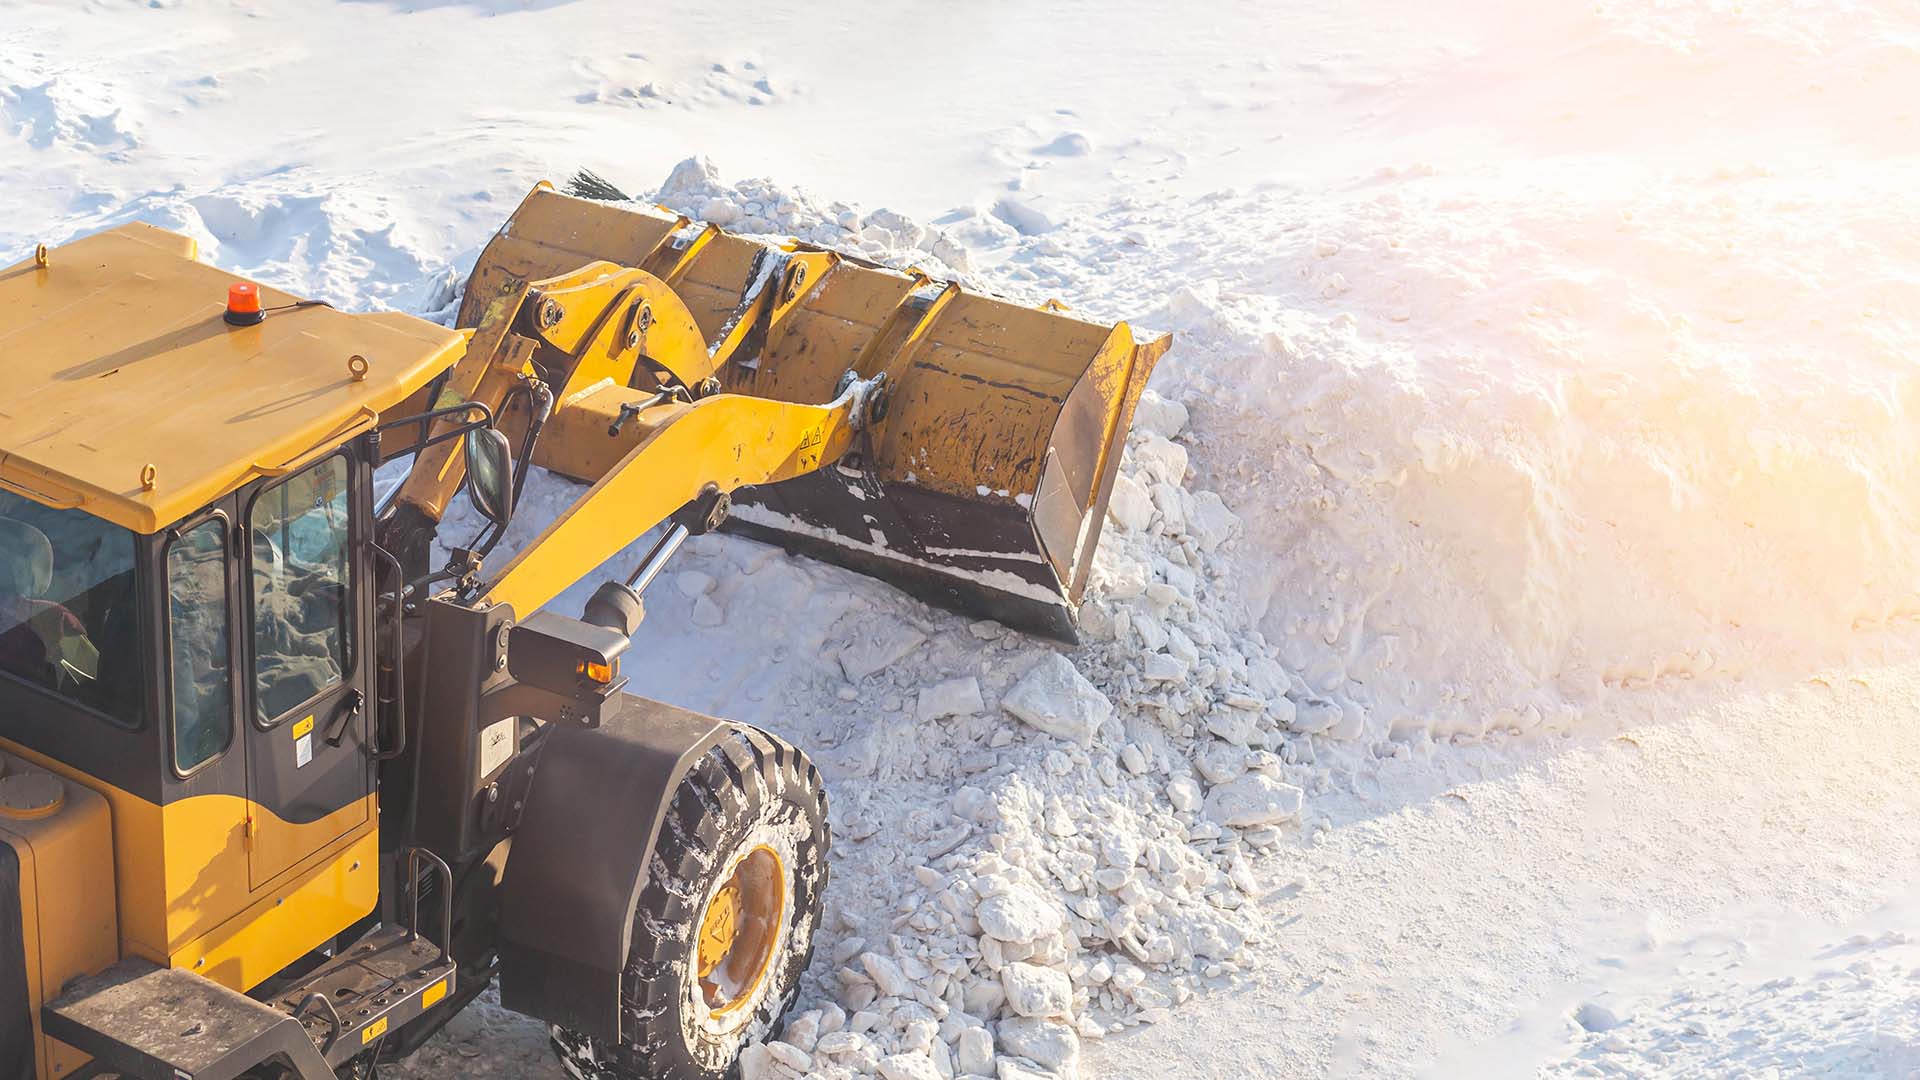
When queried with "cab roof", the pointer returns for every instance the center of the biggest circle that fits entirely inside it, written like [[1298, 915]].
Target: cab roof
[[124, 392]]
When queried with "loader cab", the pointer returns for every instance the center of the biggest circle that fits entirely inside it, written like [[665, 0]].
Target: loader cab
[[219, 666], [246, 610], [187, 588]]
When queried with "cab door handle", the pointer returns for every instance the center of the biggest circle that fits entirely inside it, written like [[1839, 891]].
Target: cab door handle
[[353, 703]]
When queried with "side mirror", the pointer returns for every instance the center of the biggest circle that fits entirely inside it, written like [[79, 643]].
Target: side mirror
[[490, 474]]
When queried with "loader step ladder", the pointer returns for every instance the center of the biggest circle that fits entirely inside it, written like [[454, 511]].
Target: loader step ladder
[[382, 982], [153, 1023], [385, 981]]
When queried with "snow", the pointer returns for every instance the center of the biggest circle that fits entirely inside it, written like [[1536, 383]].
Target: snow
[[955, 697], [1256, 799], [1054, 697], [1500, 655]]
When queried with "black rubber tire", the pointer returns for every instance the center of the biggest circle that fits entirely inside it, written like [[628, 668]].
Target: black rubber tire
[[751, 789]]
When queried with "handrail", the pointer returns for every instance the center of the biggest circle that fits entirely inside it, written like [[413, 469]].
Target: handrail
[[332, 1016], [446, 898]]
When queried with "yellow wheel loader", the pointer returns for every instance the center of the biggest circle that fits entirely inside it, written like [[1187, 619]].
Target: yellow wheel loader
[[288, 776]]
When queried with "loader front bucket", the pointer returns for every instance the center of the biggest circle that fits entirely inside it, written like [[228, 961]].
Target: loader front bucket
[[982, 484]]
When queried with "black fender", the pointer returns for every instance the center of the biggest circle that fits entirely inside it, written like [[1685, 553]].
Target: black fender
[[579, 856]]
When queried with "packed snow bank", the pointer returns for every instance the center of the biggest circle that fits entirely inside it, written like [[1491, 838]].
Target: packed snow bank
[[1500, 456]]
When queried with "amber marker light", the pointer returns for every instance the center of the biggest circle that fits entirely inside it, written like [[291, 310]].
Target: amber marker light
[[243, 304]]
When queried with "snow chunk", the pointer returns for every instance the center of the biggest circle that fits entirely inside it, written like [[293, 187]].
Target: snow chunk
[[1054, 697], [886, 975], [912, 1066], [872, 645], [1155, 415], [974, 1051], [1163, 459], [707, 613], [1596, 1017], [1254, 799], [756, 1063], [955, 697], [1068, 144], [1163, 668], [692, 583], [1018, 915], [1130, 506], [695, 174], [791, 1056], [901, 230], [1033, 990], [1048, 1043], [1210, 522], [1025, 219], [1184, 794]]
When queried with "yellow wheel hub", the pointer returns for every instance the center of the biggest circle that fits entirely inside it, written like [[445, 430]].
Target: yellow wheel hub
[[739, 930], [720, 927]]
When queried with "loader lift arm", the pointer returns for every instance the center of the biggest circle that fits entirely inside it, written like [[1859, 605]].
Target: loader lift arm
[[725, 440], [604, 336]]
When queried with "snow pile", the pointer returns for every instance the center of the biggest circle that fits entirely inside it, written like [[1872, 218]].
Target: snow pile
[[1503, 457], [958, 245], [1627, 438], [1445, 446], [760, 207], [1485, 485], [1031, 850], [345, 247], [1087, 867]]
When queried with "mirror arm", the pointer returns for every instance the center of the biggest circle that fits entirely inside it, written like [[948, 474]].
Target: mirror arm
[[485, 421], [488, 539]]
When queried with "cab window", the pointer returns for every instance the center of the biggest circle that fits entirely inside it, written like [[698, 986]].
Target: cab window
[[298, 531], [198, 639], [69, 623]]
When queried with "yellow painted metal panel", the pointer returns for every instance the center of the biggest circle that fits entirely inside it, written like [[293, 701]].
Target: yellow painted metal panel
[[289, 921], [181, 880], [726, 440], [130, 396], [69, 926]]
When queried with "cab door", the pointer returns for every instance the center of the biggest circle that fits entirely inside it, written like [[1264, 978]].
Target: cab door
[[309, 769]]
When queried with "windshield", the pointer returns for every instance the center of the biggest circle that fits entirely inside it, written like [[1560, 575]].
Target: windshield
[[68, 623]]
